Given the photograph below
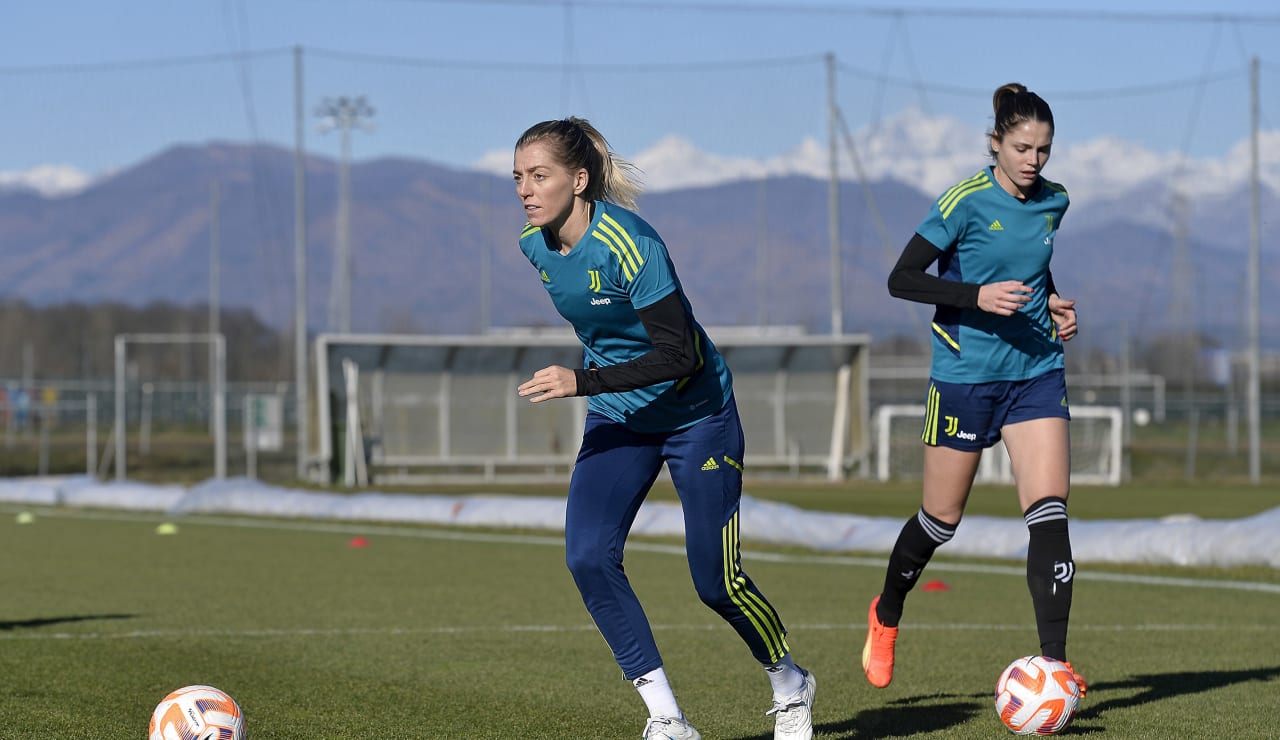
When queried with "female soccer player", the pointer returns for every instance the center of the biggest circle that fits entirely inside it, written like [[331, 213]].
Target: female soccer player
[[997, 369], [659, 393]]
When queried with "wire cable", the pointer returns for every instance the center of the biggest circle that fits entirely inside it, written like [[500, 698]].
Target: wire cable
[[266, 208], [561, 67], [125, 65], [810, 8]]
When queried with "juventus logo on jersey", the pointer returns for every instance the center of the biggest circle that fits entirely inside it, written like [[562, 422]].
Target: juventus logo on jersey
[[593, 280]]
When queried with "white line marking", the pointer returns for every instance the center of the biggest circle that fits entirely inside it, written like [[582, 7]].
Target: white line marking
[[558, 541], [554, 628]]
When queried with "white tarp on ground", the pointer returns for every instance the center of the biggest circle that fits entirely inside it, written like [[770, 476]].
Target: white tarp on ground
[[1177, 540]]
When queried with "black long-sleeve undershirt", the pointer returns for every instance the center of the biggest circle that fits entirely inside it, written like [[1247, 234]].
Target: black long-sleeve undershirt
[[674, 354], [911, 280]]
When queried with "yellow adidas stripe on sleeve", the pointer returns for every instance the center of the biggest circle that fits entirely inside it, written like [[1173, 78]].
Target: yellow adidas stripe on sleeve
[[620, 243]]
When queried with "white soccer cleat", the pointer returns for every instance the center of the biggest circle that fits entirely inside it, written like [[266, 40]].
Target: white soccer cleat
[[793, 715], [669, 728]]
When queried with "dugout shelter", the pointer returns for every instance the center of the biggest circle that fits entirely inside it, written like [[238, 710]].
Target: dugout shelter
[[411, 408]]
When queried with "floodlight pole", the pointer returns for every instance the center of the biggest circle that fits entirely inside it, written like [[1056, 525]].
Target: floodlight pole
[[300, 378], [344, 114], [1253, 391], [833, 201], [300, 269]]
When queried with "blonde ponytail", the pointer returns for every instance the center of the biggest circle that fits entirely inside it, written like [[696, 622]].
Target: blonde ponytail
[[577, 144]]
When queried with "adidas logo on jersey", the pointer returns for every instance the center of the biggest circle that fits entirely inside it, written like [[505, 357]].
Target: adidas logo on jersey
[[996, 226], [710, 464]]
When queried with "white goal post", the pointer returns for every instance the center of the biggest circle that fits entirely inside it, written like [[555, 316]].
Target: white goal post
[[1097, 445], [218, 382]]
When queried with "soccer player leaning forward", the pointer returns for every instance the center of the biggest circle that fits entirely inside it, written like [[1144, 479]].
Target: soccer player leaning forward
[[659, 392], [997, 369]]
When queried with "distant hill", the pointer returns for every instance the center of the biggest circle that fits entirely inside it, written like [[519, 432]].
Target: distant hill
[[748, 251]]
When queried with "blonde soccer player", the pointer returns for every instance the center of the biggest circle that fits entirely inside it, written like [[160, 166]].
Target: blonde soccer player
[[658, 393]]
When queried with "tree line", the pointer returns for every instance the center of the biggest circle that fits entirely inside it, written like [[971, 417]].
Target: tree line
[[76, 341]]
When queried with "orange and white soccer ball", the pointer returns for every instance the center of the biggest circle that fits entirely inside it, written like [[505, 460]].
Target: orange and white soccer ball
[[1037, 696], [197, 713]]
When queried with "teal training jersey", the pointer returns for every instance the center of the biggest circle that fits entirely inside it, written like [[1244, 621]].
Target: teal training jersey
[[986, 235], [620, 266]]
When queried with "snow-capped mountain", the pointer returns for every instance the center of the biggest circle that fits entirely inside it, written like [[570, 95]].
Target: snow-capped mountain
[[429, 239], [930, 154], [927, 153], [50, 180]]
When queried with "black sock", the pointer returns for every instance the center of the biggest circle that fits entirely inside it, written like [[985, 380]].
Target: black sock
[[1050, 573], [920, 536]]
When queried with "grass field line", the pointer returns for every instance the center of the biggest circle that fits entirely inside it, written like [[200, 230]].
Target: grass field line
[[558, 541], [585, 627]]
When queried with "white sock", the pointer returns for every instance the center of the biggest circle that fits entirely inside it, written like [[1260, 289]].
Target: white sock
[[785, 677], [656, 692]]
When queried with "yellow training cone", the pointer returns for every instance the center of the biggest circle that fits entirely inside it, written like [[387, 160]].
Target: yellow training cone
[[167, 528], [25, 517]]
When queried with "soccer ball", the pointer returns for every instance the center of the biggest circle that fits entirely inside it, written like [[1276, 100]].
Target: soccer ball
[[1037, 696], [197, 713]]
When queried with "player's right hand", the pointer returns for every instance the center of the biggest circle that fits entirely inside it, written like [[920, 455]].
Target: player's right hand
[[548, 383], [1004, 298]]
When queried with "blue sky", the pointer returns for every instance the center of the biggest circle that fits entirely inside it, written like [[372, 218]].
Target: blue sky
[[101, 85]]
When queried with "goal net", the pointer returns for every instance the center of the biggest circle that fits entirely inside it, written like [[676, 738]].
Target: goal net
[[1096, 446]]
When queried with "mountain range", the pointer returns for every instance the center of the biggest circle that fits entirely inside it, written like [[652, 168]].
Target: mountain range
[[1152, 244]]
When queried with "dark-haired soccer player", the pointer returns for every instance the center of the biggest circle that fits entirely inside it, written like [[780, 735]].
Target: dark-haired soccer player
[[997, 369], [659, 393]]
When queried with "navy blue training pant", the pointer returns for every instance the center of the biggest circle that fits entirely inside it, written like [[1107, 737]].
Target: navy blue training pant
[[614, 471]]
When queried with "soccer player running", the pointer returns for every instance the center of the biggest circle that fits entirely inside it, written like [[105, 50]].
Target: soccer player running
[[997, 369], [659, 392]]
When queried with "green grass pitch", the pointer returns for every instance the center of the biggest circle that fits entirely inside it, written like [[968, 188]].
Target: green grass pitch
[[430, 633]]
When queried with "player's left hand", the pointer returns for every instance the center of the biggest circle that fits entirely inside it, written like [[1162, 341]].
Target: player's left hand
[[1063, 312], [548, 383]]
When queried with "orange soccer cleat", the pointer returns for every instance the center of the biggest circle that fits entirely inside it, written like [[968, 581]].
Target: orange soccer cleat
[[877, 654], [1079, 679]]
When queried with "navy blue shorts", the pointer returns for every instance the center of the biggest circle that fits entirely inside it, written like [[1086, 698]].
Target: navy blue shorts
[[969, 416]]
